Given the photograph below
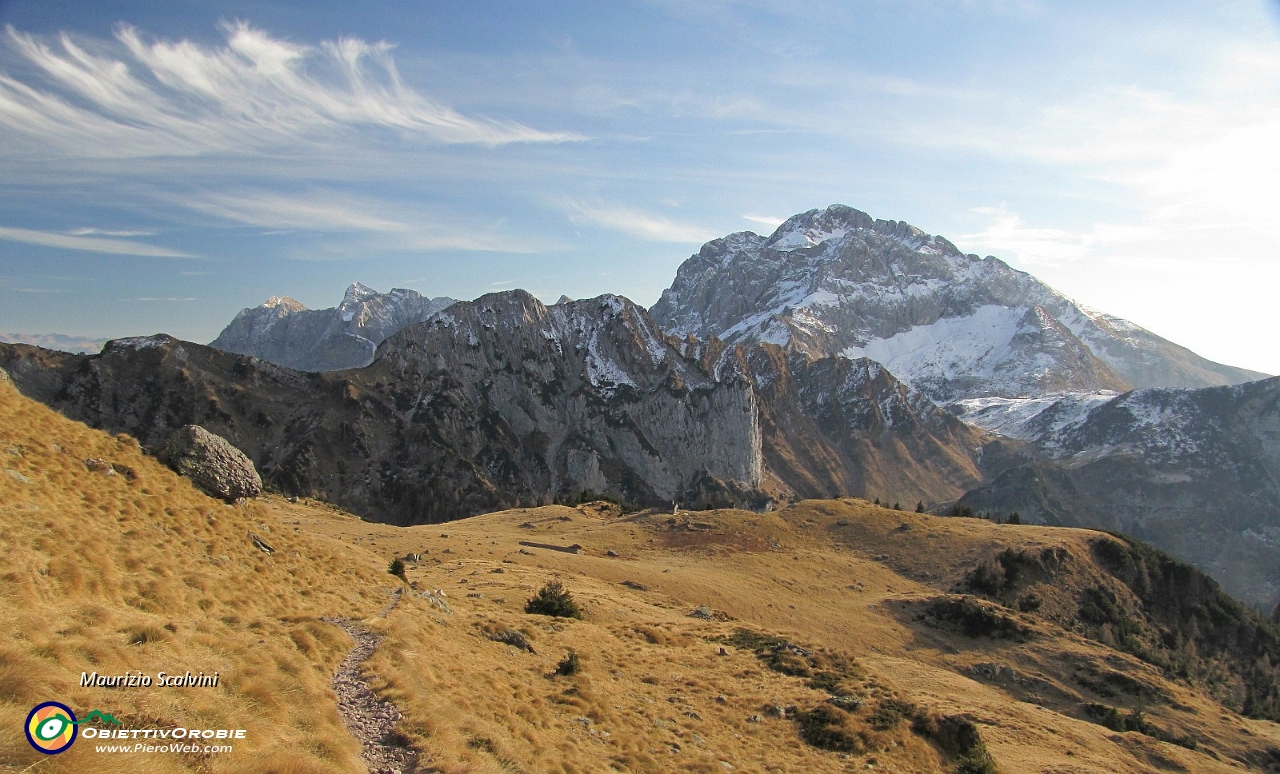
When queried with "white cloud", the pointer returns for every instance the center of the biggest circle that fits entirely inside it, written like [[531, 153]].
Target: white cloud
[[154, 99], [1201, 284], [642, 225], [103, 232], [1007, 232], [391, 226], [1043, 245], [315, 211], [765, 220], [89, 244]]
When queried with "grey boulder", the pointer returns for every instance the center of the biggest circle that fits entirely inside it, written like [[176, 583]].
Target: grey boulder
[[215, 466]]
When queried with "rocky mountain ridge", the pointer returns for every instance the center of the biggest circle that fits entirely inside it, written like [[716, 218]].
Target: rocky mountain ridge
[[1195, 472], [283, 331], [953, 325], [505, 400]]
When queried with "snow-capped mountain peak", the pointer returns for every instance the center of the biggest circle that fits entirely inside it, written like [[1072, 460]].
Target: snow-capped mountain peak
[[283, 302], [285, 332], [357, 293], [836, 280]]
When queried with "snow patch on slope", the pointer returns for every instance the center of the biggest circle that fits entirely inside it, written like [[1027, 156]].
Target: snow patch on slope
[[950, 347], [806, 237], [1030, 419]]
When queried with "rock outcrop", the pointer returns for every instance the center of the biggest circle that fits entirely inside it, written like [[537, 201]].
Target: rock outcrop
[[215, 466]]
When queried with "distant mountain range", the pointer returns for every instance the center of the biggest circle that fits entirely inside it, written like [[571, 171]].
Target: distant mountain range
[[826, 282], [839, 356], [285, 332], [76, 344]]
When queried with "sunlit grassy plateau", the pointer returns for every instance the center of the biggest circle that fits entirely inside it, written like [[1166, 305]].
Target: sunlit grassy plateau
[[137, 570]]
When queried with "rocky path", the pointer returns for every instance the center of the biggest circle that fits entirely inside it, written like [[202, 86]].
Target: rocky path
[[369, 719]]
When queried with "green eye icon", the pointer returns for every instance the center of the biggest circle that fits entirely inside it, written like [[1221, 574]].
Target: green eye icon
[[52, 727]]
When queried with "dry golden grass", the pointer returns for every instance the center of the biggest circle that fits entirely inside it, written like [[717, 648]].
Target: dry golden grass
[[655, 694], [139, 571], [112, 573]]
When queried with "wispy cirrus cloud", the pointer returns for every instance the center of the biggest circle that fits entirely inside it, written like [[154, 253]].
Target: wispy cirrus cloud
[[90, 244], [636, 223], [765, 220], [310, 211], [1041, 245], [89, 231], [382, 224], [141, 98]]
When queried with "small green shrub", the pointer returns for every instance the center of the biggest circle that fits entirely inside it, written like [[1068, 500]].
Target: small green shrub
[[750, 640], [397, 569], [569, 665], [555, 600], [827, 681], [958, 739], [825, 727], [889, 713]]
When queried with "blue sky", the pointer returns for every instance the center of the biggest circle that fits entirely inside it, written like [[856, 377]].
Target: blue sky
[[165, 163]]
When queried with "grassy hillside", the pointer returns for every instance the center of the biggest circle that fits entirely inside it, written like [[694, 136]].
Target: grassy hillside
[[136, 570], [831, 636], [869, 593]]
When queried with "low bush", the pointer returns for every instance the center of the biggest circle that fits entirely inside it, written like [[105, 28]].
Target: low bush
[[1117, 720], [569, 665], [555, 600], [958, 739], [826, 728], [889, 713], [975, 619]]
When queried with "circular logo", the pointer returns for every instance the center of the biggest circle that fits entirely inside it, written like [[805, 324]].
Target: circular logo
[[51, 727]]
